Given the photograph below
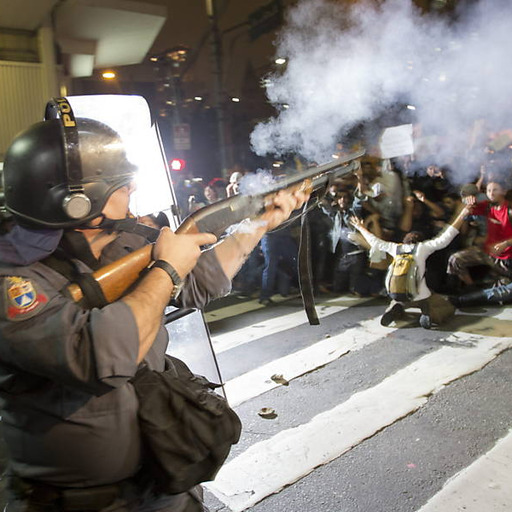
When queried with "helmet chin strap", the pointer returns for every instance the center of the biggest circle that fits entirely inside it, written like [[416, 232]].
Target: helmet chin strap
[[127, 225]]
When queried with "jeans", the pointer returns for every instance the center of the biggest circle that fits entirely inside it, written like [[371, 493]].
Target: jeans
[[277, 250]]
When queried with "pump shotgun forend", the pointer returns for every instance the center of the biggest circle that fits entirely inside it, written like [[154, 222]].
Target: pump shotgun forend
[[117, 277]]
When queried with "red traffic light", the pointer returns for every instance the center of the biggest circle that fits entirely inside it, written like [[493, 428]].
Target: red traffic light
[[177, 164]]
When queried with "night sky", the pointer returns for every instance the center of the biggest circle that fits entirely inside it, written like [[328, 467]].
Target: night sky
[[186, 23]]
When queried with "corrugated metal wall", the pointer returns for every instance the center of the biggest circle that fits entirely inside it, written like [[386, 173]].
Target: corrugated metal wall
[[22, 99]]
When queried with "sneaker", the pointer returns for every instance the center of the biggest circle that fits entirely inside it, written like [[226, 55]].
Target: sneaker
[[267, 302], [454, 300], [425, 321], [392, 314]]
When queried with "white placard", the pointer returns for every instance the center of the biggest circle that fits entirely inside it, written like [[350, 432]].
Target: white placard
[[397, 141]]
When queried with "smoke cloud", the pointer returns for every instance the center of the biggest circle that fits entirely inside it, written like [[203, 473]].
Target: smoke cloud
[[256, 183], [348, 65]]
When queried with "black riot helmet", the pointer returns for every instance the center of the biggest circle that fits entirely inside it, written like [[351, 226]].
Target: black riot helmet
[[59, 173]]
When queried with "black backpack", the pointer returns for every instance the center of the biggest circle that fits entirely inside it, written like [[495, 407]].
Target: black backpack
[[187, 428]]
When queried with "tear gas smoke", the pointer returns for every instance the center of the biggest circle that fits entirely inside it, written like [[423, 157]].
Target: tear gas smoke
[[256, 183], [347, 65]]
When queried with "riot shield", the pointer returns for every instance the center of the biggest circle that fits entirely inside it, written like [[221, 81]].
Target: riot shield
[[130, 117]]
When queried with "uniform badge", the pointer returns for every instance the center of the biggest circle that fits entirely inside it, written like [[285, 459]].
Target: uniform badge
[[23, 300]]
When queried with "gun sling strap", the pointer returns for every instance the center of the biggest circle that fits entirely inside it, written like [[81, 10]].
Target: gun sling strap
[[62, 262], [305, 267], [305, 271]]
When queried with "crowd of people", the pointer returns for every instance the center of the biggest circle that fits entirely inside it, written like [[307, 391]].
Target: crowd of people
[[272, 267], [392, 199]]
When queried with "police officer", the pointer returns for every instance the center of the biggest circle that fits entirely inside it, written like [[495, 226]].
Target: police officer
[[68, 409]]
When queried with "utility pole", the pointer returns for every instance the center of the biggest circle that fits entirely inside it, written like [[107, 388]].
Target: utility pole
[[218, 85], [168, 66]]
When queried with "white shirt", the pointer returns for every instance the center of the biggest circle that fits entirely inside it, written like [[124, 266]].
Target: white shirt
[[423, 251]]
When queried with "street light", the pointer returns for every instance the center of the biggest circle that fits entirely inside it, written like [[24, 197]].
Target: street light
[[109, 75]]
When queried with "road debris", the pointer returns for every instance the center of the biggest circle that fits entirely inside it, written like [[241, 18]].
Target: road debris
[[268, 413], [279, 379]]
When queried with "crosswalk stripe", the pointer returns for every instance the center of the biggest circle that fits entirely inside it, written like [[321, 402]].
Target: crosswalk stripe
[[249, 306], [506, 314], [246, 306], [258, 381], [270, 326], [484, 485], [268, 466]]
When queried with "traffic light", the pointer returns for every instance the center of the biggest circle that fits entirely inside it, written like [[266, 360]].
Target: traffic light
[[177, 164]]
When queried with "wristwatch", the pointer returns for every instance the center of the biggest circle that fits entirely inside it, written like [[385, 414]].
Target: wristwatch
[[175, 278]]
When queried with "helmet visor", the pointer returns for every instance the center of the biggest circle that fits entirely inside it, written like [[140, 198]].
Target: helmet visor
[[126, 147]]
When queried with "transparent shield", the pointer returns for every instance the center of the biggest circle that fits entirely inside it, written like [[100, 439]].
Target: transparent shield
[[190, 341], [130, 117]]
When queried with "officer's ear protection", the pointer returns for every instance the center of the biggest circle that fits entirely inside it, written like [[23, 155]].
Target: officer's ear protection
[[75, 204]]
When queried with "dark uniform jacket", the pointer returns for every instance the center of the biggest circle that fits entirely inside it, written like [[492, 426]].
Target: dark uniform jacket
[[69, 412]]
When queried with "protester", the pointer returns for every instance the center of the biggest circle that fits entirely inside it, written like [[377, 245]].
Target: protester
[[496, 253], [432, 309], [219, 186], [280, 251], [210, 194], [321, 223], [350, 260], [234, 183], [434, 183]]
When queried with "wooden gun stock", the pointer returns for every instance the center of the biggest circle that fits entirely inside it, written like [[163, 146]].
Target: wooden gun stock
[[117, 277]]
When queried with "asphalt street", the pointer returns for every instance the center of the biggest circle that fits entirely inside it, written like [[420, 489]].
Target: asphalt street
[[365, 418], [380, 422]]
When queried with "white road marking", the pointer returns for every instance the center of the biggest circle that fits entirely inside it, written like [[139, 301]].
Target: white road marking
[[484, 485], [232, 339], [253, 305], [258, 381], [506, 314], [267, 467], [245, 306]]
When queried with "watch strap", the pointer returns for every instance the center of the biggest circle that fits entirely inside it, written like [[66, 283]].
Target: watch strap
[[177, 281]]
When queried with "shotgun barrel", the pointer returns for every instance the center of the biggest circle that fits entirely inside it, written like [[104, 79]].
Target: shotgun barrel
[[116, 277]]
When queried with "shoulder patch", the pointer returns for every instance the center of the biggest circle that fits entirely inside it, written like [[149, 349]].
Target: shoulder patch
[[22, 298]]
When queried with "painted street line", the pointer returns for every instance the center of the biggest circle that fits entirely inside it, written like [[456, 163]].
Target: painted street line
[[484, 485], [268, 466], [245, 306], [258, 381], [232, 339], [253, 305], [506, 314]]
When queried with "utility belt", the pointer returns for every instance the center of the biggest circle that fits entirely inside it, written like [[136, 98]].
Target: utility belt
[[51, 498]]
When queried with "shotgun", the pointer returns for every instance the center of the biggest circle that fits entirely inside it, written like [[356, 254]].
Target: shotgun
[[116, 277]]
